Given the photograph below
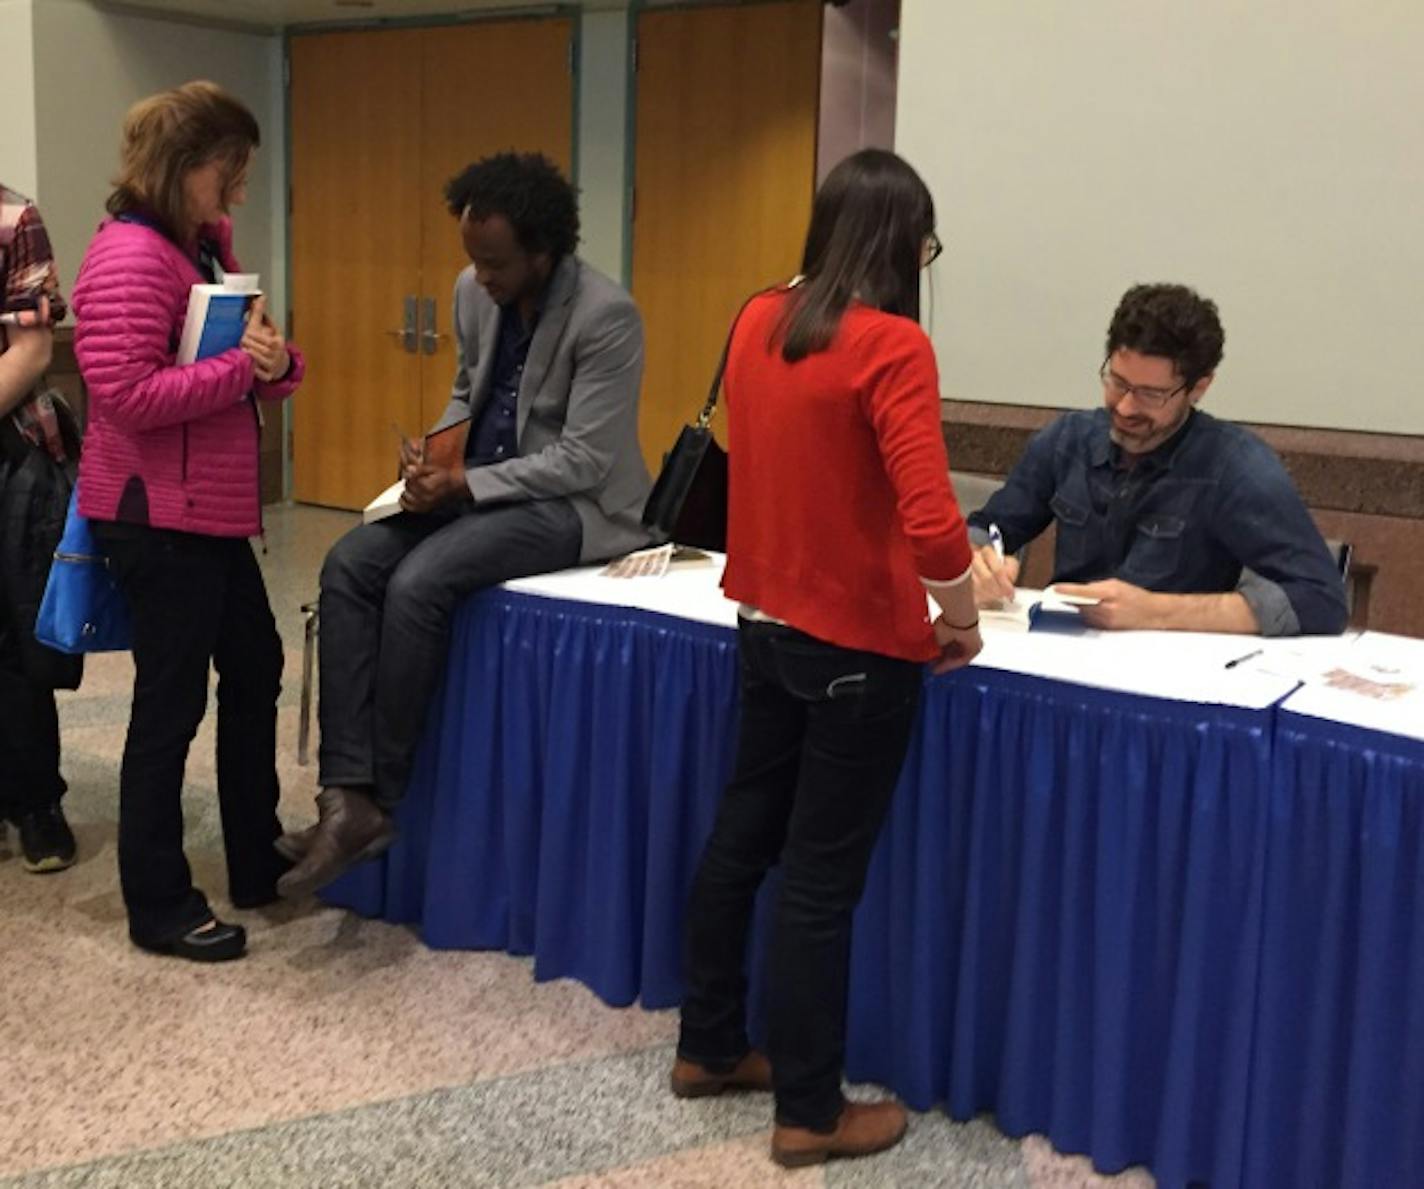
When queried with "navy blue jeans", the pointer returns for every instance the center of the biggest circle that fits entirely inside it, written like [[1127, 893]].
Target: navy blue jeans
[[823, 736], [388, 593]]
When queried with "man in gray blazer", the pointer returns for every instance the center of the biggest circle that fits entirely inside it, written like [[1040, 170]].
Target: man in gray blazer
[[550, 362]]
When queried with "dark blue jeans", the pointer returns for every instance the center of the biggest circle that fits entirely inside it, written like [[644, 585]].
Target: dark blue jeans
[[823, 736], [388, 593]]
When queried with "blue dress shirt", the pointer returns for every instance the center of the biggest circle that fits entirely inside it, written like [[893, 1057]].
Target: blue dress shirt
[[494, 436]]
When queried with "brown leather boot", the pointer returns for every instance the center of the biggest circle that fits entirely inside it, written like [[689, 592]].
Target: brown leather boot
[[294, 844], [862, 1129], [691, 1080], [350, 829]]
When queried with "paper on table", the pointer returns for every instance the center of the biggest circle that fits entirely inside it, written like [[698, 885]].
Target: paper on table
[[1377, 684], [655, 562], [644, 563]]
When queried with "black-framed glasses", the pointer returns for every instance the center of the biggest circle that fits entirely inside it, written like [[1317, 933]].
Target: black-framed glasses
[[933, 249], [1153, 397]]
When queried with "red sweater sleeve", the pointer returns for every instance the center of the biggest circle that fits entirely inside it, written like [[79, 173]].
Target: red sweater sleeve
[[902, 404]]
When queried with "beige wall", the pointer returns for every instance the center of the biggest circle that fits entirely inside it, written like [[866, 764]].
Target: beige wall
[[97, 64], [602, 138], [18, 164], [1270, 153]]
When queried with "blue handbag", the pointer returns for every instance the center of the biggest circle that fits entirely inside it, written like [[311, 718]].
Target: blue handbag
[[83, 609]]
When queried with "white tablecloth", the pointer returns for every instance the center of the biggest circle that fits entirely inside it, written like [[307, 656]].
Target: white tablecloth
[[1189, 667]]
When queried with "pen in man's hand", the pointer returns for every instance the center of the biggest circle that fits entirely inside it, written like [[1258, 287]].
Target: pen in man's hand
[[996, 542], [416, 448]]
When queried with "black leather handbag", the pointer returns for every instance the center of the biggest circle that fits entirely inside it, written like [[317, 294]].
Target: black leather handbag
[[688, 503]]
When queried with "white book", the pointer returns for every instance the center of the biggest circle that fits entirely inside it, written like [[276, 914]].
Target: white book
[[217, 316], [385, 504]]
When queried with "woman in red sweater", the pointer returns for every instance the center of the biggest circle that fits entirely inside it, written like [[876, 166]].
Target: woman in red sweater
[[841, 519]]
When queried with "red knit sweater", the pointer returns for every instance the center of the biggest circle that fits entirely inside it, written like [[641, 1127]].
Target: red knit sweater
[[840, 494]]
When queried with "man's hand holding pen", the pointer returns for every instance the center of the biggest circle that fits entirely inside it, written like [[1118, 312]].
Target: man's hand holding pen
[[428, 485]]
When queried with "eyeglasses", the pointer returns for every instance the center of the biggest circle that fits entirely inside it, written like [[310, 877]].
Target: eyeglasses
[[932, 251], [1153, 397]]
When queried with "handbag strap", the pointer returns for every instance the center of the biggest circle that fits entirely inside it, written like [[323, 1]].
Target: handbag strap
[[704, 418]]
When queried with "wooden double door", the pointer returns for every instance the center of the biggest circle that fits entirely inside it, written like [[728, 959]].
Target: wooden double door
[[380, 121]]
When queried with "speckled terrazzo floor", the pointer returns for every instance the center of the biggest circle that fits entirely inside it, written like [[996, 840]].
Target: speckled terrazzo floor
[[342, 1052]]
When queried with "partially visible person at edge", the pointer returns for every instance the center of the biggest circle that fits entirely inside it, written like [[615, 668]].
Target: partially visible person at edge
[[829, 376], [30, 306], [169, 478]]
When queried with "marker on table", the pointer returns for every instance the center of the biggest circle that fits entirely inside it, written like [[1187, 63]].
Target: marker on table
[[1240, 660], [996, 541]]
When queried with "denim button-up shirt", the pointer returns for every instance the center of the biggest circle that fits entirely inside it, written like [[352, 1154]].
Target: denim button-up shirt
[[1187, 518]]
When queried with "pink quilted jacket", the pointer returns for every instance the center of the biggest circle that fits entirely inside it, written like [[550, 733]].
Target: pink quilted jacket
[[173, 447]]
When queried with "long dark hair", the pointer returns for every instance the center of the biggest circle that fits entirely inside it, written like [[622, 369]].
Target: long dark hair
[[866, 242]]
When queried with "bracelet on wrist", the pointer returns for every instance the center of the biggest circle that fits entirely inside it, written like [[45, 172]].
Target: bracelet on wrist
[[961, 627]]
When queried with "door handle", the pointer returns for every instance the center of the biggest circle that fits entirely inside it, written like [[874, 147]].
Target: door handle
[[429, 337], [407, 333]]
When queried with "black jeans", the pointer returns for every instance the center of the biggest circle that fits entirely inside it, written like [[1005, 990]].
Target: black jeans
[[823, 736], [29, 721], [195, 600], [388, 591], [29, 738]]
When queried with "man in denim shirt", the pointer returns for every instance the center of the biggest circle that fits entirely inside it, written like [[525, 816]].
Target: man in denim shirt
[[1172, 519]]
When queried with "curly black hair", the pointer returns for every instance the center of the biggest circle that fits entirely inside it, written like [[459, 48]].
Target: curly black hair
[[1171, 321], [529, 191]]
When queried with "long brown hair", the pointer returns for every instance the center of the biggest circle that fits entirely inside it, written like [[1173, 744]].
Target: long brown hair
[[170, 133], [866, 242]]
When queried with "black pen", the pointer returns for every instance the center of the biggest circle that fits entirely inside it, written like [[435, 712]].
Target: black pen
[[1241, 659]]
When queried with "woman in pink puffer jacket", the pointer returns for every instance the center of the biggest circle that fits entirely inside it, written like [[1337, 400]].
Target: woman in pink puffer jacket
[[169, 478]]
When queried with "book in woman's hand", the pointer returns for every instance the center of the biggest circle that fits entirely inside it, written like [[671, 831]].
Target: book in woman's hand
[[217, 317]]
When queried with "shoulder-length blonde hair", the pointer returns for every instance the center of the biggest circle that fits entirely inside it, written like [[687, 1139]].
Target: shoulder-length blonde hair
[[170, 133]]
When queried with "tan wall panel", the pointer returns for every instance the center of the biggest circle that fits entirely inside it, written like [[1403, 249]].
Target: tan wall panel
[[725, 174], [355, 246]]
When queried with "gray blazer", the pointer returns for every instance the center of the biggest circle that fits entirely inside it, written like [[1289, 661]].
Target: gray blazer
[[577, 421]]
